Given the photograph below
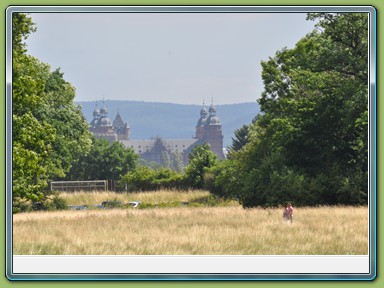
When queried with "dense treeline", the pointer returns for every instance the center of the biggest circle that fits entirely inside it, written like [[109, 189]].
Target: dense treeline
[[145, 178], [309, 145]]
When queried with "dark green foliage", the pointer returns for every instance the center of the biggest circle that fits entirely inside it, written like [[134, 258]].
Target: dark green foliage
[[51, 202], [21, 207], [104, 161], [114, 203], [200, 159], [59, 203], [147, 179], [221, 179], [208, 201], [241, 137]]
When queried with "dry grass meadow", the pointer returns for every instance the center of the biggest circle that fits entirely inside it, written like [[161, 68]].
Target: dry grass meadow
[[221, 230], [158, 197]]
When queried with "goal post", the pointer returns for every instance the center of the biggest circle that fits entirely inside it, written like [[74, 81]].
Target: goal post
[[71, 186]]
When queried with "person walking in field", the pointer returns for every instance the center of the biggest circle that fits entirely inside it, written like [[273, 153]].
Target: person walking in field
[[288, 213]]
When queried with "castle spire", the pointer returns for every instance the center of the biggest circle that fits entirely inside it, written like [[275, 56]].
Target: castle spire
[[203, 111], [96, 112], [212, 109]]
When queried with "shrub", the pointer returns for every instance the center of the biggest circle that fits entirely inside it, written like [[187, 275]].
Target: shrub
[[114, 203], [147, 179], [49, 204], [22, 207], [200, 159], [220, 179], [59, 203]]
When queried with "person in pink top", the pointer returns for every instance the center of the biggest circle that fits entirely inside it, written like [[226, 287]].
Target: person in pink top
[[288, 213]]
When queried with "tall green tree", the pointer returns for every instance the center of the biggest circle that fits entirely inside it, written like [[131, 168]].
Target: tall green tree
[[241, 137], [310, 144], [48, 131]]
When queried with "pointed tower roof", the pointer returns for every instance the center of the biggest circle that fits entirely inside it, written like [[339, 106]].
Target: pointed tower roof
[[118, 122]]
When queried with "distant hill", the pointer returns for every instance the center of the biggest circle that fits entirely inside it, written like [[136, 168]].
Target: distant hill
[[172, 121]]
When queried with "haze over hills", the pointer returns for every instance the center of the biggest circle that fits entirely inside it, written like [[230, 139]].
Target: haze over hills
[[172, 121]]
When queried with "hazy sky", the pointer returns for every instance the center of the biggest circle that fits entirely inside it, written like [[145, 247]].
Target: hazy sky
[[164, 57]]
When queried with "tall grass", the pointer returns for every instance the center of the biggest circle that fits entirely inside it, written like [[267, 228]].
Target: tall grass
[[193, 231], [153, 197]]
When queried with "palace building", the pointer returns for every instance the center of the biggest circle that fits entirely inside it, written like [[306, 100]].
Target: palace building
[[165, 152], [102, 127]]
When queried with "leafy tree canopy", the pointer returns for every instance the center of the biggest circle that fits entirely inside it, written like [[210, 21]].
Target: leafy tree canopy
[[49, 132], [200, 159], [309, 145], [104, 161]]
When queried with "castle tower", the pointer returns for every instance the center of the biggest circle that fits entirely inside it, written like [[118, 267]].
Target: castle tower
[[208, 130], [121, 129], [101, 126], [201, 123], [96, 117], [105, 123]]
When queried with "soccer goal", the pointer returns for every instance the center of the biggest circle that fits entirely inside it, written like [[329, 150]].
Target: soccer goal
[[71, 186]]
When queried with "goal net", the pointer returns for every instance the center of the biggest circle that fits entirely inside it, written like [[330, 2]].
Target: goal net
[[69, 186]]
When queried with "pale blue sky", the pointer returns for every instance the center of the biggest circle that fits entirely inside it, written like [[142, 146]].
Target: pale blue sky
[[163, 57]]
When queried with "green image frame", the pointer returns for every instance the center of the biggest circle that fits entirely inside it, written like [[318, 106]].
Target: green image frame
[[377, 282]]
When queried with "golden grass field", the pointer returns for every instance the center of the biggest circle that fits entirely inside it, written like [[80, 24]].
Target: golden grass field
[[158, 197], [226, 230]]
